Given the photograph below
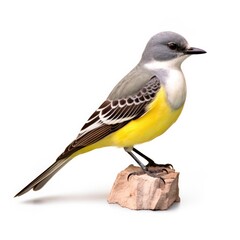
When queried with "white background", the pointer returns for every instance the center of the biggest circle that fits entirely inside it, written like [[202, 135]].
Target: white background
[[58, 62]]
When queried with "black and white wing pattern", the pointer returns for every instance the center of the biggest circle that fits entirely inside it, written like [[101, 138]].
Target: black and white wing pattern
[[113, 115]]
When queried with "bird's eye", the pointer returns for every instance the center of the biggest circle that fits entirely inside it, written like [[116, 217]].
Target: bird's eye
[[172, 45]]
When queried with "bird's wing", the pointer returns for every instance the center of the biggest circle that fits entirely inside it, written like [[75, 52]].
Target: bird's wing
[[113, 115]]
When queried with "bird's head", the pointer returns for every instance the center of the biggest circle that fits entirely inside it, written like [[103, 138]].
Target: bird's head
[[168, 47]]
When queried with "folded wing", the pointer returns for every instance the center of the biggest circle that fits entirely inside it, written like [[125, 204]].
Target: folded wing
[[113, 115]]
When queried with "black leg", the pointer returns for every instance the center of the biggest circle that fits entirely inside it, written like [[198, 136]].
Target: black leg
[[138, 161], [151, 163], [145, 170]]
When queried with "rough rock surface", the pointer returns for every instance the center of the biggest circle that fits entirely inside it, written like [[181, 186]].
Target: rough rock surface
[[145, 192]]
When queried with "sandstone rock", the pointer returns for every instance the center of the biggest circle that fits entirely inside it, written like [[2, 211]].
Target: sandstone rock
[[145, 192]]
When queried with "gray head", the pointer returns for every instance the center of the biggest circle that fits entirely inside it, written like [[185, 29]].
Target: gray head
[[166, 46]]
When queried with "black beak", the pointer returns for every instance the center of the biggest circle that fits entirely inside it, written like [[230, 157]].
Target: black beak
[[193, 50]]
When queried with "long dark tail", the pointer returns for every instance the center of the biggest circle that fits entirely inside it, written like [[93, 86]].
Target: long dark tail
[[44, 177]]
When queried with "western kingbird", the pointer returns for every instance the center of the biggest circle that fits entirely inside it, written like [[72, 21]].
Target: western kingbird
[[142, 106]]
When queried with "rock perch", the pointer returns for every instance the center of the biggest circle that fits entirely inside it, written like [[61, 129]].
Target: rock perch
[[142, 192]]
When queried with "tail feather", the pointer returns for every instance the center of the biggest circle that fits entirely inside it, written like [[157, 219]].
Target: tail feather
[[44, 177]]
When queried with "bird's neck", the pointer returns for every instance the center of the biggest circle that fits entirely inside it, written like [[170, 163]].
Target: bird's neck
[[172, 79], [170, 64]]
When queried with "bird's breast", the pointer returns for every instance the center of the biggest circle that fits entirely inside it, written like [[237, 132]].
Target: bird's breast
[[175, 87]]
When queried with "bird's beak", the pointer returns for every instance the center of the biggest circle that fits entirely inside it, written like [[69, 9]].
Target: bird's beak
[[193, 50]]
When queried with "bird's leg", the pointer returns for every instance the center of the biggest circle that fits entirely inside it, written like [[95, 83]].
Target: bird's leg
[[151, 163], [143, 167], [145, 170]]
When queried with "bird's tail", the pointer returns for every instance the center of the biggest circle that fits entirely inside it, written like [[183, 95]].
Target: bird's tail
[[44, 177]]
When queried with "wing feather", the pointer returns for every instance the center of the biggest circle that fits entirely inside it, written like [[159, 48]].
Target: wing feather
[[113, 115]]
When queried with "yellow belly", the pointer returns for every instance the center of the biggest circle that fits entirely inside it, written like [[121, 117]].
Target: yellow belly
[[156, 121]]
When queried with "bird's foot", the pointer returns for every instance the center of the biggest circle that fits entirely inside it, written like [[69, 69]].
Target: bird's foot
[[151, 163], [152, 169], [155, 172], [163, 166]]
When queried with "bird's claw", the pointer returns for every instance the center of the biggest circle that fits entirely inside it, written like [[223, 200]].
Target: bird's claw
[[164, 166], [151, 173]]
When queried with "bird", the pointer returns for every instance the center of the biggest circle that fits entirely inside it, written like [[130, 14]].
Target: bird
[[141, 107]]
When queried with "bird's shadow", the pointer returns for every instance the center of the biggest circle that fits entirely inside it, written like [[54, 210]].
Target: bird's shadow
[[70, 198], [77, 198]]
